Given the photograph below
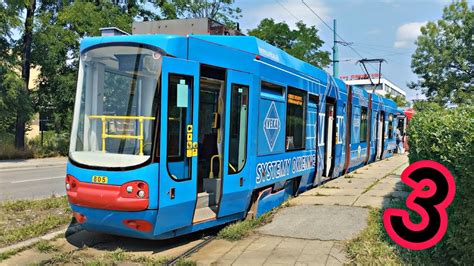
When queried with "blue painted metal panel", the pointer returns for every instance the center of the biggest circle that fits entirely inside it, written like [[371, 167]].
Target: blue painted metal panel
[[177, 212], [111, 222], [236, 198], [358, 147], [268, 200], [269, 53], [221, 56]]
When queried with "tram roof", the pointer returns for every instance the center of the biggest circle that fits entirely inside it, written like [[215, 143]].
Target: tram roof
[[254, 45], [173, 45]]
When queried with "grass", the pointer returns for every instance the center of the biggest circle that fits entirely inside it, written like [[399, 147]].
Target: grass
[[369, 247], [8, 254], [24, 219], [118, 256], [242, 229], [373, 246], [349, 176], [45, 246]]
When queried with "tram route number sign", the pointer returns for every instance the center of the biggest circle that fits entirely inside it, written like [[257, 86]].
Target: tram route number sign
[[433, 190]]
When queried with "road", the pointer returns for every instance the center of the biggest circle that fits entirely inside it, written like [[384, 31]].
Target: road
[[32, 182]]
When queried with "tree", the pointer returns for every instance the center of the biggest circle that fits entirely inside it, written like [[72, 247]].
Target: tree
[[302, 42], [444, 56], [23, 113], [10, 80], [399, 100], [222, 11], [70, 22]]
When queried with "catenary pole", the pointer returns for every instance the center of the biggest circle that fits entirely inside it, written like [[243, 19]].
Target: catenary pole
[[335, 55]]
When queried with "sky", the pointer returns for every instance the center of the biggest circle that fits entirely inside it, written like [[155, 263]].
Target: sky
[[378, 29]]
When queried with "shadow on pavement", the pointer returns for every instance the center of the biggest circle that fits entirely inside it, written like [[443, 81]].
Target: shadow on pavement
[[105, 242]]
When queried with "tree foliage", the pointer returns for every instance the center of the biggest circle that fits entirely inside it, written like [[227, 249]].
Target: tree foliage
[[10, 80], [302, 42], [69, 23], [399, 100], [446, 135], [222, 11], [57, 28], [444, 58]]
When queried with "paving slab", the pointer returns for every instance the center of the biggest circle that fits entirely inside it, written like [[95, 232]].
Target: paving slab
[[317, 222], [350, 183], [324, 200], [334, 192]]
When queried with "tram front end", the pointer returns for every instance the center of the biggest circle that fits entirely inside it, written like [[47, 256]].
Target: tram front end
[[112, 172]]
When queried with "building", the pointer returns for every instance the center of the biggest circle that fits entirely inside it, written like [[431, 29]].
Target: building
[[383, 88], [184, 27]]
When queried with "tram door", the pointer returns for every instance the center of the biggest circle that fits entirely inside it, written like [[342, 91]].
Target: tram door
[[330, 114], [211, 130], [380, 131], [178, 146], [236, 170]]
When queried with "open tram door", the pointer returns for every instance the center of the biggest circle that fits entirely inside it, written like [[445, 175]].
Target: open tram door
[[329, 137], [380, 134], [178, 146]]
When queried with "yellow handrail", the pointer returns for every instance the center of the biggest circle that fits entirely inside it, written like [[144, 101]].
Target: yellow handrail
[[103, 119], [122, 117], [211, 172]]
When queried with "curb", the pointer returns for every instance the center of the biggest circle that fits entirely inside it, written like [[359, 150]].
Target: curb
[[32, 241], [67, 231], [26, 165]]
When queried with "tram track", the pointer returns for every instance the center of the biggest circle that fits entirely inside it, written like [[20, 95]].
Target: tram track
[[189, 252], [75, 228]]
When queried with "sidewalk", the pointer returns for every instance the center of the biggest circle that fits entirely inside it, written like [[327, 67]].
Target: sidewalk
[[31, 163], [313, 229]]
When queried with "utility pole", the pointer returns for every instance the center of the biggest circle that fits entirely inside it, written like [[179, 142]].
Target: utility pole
[[335, 55]]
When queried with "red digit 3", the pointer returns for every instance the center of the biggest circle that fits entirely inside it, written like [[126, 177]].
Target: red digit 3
[[430, 204]]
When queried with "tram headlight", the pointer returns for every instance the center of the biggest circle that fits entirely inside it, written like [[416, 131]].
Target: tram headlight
[[134, 189], [68, 187]]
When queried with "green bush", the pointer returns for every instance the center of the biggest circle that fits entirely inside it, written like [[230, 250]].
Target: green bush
[[447, 136], [7, 148], [54, 144]]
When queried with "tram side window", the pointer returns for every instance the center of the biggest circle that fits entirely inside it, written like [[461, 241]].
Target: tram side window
[[295, 119], [238, 127], [390, 126], [363, 124], [179, 88]]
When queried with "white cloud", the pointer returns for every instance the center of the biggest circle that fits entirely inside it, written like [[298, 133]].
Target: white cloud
[[407, 34], [289, 11]]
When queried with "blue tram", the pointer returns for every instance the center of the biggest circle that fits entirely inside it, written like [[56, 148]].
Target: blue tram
[[175, 134]]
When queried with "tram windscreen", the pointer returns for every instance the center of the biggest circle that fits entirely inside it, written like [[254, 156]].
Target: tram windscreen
[[116, 107]]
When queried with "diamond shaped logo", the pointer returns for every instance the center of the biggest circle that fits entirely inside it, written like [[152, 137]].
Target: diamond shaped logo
[[271, 126]]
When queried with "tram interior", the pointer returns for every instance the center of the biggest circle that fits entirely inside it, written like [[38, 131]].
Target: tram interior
[[330, 137], [211, 134]]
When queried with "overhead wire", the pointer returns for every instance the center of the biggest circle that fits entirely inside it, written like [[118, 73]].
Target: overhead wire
[[339, 36], [288, 11]]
